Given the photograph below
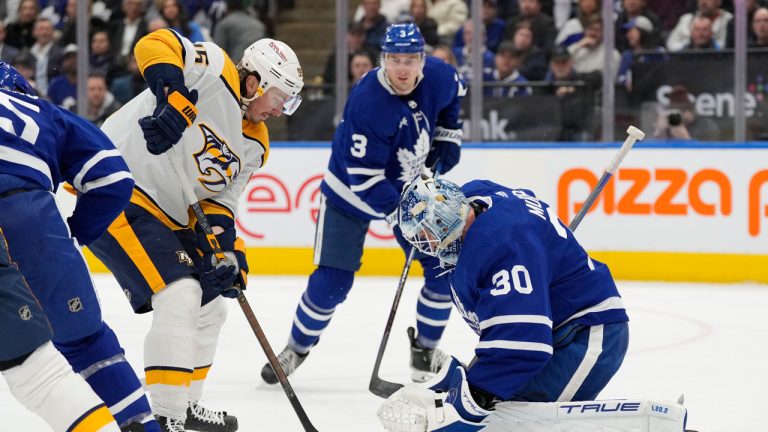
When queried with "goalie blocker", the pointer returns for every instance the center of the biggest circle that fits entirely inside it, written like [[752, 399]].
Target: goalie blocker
[[416, 408]]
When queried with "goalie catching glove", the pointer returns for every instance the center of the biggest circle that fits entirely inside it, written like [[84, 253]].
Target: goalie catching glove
[[175, 112], [446, 403], [229, 276]]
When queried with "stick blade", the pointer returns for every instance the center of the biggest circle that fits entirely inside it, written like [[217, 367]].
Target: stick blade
[[383, 389]]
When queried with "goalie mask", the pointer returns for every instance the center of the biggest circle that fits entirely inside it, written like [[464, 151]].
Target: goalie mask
[[277, 67], [11, 79], [432, 214]]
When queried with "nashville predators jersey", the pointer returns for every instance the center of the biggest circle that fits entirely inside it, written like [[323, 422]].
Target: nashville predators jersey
[[216, 154]]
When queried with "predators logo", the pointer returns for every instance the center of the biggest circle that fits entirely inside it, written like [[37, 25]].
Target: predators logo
[[216, 162]]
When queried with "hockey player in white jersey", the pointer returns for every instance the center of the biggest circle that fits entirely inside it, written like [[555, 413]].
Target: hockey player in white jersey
[[206, 115], [398, 119]]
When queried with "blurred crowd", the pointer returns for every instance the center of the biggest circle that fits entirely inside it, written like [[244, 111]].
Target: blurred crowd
[[525, 42]]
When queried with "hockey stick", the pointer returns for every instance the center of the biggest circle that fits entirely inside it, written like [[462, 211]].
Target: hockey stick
[[378, 386], [635, 134], [189, 194], [385, 389]]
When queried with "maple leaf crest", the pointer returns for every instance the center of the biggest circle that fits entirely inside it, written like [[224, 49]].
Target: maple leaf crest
[[412, 162]]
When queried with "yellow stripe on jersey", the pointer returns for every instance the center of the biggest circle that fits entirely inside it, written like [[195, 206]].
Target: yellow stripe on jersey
[[230, 76], [139, 198], [122, 232], [210, 207], [93, 421], [168, 376], [160, 46], [258, 132], [201, 373]]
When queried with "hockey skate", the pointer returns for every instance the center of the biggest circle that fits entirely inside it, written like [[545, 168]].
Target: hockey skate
[[289, 360], [425, 362], [169, 424], [202, 419]]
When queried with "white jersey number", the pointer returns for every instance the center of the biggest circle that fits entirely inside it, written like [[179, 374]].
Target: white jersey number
[[359, 144], [30, 130], [519, 277]]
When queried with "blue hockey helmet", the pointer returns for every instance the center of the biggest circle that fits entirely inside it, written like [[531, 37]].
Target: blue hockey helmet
[[402, 38], [432, 214], [11, 79]]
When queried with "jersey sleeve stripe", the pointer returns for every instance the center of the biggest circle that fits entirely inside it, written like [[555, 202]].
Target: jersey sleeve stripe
[[78, 181], [594, 349], [27, 160], [367, 184], [349, 196], [106, 181], [516, 319], [429, 321], [211, 207], [161, 46], [365, 171], [515, 345], [607, 304]]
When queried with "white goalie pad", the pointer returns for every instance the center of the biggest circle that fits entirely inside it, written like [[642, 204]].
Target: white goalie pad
[[417, 409]]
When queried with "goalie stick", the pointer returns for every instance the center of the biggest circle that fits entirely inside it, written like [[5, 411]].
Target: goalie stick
[[243, 302], [384, 388]]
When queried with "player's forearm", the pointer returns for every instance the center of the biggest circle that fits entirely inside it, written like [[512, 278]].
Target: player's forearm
[[160, 55], [97, 208]]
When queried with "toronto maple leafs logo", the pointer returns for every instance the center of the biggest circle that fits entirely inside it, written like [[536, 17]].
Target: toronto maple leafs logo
[[412, 162], [217, 163]]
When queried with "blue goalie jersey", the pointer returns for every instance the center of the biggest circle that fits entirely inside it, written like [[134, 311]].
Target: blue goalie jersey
[[42, 145], [383, 139], [522, 276]]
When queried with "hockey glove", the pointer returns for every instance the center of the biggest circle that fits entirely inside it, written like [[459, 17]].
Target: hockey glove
[[224, 277], [174, 113], [446, 148]]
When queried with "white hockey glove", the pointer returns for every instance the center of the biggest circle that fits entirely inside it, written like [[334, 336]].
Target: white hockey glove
[[419, 408]]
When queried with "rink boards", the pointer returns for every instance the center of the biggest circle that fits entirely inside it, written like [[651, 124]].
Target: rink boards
[[673, 211]]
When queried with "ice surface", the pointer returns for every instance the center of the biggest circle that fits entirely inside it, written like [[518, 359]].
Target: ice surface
[[709, 342]]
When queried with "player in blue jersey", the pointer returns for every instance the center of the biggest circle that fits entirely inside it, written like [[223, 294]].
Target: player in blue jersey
[[398, 118], [551, 323], [41, 146]]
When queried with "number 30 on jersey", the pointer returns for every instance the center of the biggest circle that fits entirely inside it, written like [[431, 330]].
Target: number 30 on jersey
[[519, 277]]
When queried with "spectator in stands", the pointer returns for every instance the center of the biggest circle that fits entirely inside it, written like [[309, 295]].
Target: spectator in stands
[[760, 28], [7, 52], [573, 29], [19, 32], [175, 14], [428, 26], [589, 53], [633, 9], [156, 23], [25, 64], [391, 9], [702, 35], [102, 59], [534, 65], [450, 16], [669, 13], [125, 31], [730, 38], [47, 54], [62, 90], [355, 43], [575, 92], [361, 63], [101, 103], [494, 28], [237, 30], [445, 54], [128, 86], [543, 25], [464, 54], [69, 23], [641, 48], [374, 24], [678, 119], [506, 62], [681, 35]]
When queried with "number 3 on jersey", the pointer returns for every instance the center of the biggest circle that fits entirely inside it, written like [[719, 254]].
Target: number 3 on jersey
[[359, 144], [520, 278]]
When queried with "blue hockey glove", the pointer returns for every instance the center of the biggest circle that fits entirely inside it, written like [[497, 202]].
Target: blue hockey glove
[[224, 277], [446, 148], [174, 113]]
